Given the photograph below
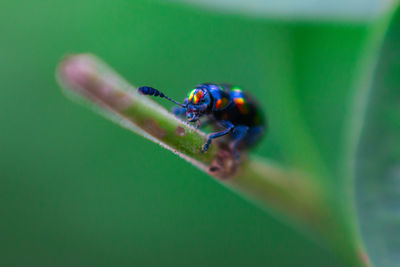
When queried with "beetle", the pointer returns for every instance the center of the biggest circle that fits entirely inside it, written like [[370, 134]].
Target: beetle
[[224, 105]]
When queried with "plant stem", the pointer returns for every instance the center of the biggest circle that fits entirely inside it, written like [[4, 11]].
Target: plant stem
[[288, 192]]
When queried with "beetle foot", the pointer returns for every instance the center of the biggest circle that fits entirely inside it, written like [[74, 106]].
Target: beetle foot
[[205, 147]]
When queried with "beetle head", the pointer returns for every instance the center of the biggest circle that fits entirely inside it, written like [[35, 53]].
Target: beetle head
[[197, 104]]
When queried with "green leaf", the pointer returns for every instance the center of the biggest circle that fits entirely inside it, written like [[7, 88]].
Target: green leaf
[[378, 158]]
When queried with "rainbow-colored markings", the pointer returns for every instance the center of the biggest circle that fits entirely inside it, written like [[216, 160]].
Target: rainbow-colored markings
[[239, 100], [241, 104], [221, 103], [195, 95]]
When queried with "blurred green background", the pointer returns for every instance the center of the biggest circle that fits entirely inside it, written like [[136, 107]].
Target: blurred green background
[[77, 190]]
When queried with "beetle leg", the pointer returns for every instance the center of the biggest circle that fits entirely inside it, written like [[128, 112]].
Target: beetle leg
[[229, 127], [254, 135], [239, 133]]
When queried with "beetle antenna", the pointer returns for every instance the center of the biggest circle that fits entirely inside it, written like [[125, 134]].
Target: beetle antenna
[[145, 90]]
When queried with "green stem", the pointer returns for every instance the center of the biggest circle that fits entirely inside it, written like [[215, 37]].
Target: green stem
[[288, 192]]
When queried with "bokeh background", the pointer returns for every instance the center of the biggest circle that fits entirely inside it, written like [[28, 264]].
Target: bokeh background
[[77, 190]]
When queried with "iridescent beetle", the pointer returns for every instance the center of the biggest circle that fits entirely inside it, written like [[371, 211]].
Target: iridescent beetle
[[224, 105]]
